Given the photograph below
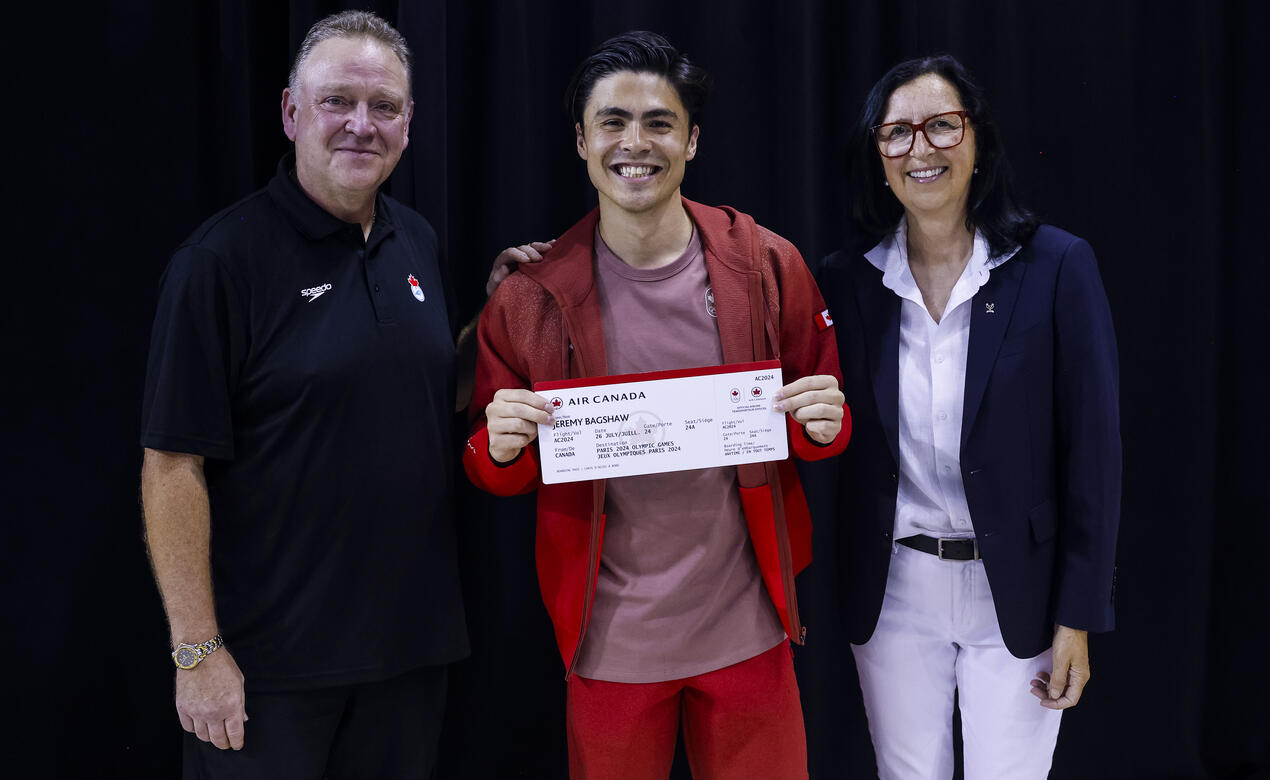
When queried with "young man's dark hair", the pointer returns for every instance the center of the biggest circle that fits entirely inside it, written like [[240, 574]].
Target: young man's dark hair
[[643, 52]]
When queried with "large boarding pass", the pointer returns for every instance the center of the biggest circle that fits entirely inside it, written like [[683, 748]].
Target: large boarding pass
[[621, 426]]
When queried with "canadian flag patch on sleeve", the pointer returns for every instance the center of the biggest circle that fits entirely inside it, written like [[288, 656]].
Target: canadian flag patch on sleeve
[[823, 320]]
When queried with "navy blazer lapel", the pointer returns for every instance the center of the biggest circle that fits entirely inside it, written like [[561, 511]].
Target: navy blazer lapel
[[880, 317], [990, 312]]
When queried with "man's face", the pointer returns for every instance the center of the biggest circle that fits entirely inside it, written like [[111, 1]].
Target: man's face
[[349, 118], [635, 138]]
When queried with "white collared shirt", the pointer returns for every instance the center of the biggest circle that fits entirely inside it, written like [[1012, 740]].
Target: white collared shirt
[[932, 389]]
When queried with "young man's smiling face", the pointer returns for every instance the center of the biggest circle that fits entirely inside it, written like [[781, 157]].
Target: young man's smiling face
[[636, 137]]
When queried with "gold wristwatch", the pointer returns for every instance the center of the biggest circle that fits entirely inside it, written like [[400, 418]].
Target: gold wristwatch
[[188, 656]]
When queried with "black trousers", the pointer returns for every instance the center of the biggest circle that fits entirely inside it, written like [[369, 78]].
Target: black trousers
[[384, 729]]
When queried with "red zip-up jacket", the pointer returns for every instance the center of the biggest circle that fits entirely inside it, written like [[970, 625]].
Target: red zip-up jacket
[[544, 323]]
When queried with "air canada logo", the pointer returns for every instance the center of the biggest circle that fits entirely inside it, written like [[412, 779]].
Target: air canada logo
[[710, 302], [735, 395], [415, 289], [756, 392], [556, 403], [313, 293]]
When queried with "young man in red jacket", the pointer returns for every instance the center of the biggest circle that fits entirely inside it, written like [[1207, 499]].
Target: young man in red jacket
[[672, 595]]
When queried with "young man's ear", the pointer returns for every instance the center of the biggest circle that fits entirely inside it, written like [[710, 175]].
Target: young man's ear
[[692, 143], [577, 128]]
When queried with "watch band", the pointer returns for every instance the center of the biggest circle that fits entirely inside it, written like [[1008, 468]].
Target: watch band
[[187, 656]]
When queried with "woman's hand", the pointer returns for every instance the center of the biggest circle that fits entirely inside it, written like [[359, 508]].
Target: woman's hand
[[1062, 688]]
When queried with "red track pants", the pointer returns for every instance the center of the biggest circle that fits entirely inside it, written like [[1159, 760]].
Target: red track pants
[[740, 722]]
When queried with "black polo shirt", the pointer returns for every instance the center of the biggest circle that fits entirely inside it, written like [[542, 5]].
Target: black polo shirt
[[314, 370]]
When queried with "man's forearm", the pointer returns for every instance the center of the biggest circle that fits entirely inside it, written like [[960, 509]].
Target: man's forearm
[[178, 532]]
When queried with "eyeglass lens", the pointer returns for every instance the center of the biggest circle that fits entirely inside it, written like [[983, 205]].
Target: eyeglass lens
[[942, 131]]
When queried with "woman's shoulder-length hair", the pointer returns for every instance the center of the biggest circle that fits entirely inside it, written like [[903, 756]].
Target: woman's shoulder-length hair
[[993, 208]]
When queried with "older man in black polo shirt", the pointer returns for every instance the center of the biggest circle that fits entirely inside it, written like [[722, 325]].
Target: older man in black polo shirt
[[297, 478]]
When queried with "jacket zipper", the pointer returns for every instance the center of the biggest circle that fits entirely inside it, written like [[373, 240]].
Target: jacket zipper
[[597, 523], [797, 629], [592, 571]]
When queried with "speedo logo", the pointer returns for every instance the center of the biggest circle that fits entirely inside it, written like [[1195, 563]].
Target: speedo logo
[[313, 293]]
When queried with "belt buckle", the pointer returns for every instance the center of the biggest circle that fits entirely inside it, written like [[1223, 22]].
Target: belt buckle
[[939, 547]]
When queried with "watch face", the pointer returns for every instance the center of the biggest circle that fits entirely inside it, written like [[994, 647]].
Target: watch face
[[186, 657]]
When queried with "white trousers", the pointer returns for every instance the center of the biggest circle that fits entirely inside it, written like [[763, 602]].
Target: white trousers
[[937, 634]]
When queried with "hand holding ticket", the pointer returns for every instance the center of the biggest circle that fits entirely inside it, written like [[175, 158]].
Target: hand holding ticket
[[665, 421], [816, 403], [513, 419]]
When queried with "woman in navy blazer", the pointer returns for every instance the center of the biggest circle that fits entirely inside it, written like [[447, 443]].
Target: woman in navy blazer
[[979, 500]]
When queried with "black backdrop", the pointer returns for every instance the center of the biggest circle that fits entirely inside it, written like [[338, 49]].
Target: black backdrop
[[1139, 126]]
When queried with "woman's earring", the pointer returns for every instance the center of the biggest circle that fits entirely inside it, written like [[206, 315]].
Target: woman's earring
[[886, 183], [976, 169]]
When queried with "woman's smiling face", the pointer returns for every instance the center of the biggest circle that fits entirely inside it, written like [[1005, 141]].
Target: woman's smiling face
[[929, 181]]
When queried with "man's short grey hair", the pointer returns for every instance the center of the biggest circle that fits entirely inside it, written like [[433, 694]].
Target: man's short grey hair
[[353, 24]]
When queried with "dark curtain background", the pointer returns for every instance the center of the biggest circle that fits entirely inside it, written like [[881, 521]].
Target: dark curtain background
[[1140, 126]]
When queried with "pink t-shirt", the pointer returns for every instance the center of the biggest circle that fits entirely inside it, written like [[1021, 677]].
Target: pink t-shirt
[[679, 590]]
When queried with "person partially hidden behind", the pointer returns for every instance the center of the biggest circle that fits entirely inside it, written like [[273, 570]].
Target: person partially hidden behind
[[671, 594], [298, 471]]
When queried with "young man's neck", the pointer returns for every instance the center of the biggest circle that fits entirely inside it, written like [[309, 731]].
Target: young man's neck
[[647, 239]]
